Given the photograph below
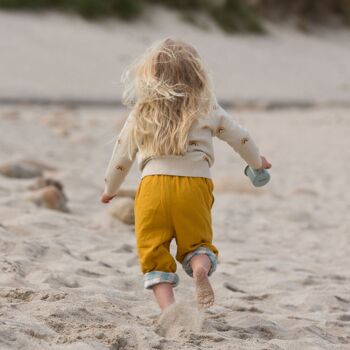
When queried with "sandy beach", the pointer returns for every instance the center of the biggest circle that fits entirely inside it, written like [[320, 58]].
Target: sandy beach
[[55, 57], [70, 279]]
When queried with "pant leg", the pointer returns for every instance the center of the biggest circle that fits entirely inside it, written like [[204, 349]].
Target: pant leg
[[154, 232], [192, 220]]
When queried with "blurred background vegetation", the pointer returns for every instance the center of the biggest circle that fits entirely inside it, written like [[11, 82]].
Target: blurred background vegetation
[[230, 15]]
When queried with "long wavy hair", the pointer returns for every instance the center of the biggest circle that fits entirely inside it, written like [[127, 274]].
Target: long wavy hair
[[168, 88]]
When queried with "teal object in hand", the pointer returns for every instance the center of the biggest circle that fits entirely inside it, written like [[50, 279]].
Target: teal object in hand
[[258, 177]]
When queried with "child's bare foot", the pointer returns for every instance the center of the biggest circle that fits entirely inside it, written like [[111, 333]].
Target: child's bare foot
[[204, 291]]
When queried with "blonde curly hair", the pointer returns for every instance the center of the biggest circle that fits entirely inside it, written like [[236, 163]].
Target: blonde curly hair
[[168, 88]]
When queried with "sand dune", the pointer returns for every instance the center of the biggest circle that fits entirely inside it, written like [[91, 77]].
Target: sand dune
[[51, 56], [72, 280]]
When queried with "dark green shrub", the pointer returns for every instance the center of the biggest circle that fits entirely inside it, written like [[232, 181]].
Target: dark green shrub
[[185, 4], [231, 15], [236, 15], [308, 10], [126, 9], [27, 4]]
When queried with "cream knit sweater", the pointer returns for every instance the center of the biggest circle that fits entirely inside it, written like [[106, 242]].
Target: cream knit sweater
[[198, 158]]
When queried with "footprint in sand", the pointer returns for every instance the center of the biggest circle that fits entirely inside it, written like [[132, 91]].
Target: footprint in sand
[[125, 248], [18, 294], [345, 318]]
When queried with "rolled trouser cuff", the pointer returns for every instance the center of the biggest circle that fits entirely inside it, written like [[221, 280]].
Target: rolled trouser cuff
[[155, 277], [201, 250]]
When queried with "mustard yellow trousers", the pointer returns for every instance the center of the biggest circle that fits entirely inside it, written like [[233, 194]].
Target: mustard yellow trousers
[[173, 207]]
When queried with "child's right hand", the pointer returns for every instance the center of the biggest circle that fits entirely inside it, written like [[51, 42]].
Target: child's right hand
[[105, 198], [265, 163]]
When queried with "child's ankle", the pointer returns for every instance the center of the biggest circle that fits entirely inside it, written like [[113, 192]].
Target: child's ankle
[[200, 269]]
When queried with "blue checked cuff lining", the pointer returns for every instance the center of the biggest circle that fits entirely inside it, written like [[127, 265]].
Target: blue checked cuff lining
[[201, 250], [155, 277]]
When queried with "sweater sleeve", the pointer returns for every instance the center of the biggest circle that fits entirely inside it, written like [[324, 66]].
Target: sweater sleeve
[[237, 137], [121, 160]]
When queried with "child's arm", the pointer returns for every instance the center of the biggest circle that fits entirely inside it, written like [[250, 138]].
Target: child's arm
[[120, 163], [239, 139]]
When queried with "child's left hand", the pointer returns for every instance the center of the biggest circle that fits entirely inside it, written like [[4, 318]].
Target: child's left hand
[[265, 164], [105, 198]]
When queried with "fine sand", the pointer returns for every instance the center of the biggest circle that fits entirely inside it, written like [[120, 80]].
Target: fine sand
[[55, 57], [72, 280]]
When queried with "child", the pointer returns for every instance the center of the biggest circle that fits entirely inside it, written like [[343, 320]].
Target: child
[[173, 119]]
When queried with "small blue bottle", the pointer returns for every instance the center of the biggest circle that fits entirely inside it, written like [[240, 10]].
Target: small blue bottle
[[258, 177]]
